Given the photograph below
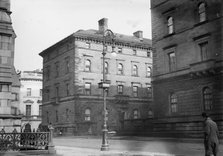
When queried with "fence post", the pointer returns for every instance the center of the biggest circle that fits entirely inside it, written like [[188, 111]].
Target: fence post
[[51, 147]]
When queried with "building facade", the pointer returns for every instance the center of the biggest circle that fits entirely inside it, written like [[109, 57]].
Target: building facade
[[187, 65], [9, 80], [31, 99], [72, 69]]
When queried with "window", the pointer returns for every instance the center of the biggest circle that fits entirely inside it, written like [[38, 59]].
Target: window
[[202, 12], [106, 67], [40, 92], [170, 25], [120, 89], [207, 98], [87, 88], [40, 110], [87, 114], [67, 66], [47, 73], [28, 110], [135, 91], [56, 116], [16, 96], [120, 69], [172, 61], [204, 51], [113, 49], [135, 70], [87, 65], [88, 45], [106, 48], [135, 114], [134, 52], [56, 69], [149, 54], [4, 88], [149, 90], [173, 103], [57, 91], [119, 50], [150, 113], [148, 71], [5, 42], [67, 89], [29, 90], [47, 117], [67, 114]]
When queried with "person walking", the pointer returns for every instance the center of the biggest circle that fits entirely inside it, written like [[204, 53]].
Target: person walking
[[211, 135]]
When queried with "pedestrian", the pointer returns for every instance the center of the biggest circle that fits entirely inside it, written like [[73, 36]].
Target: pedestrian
[[211, 135]]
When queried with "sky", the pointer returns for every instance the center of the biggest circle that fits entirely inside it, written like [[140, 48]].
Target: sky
[[39, 24]]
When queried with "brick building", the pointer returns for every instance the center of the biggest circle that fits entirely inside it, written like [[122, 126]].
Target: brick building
[[31, 99], [9, 80], [187, 65], [72, 69]]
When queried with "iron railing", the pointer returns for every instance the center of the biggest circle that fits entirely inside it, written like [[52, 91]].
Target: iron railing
[[24, 141]]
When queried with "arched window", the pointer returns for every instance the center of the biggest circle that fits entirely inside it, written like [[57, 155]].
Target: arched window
[[135, 70], [120, 69], [202, 12], [170, 25], [150, 113], [207, 98], [135, 114], [87, 65], [148, 71], [106, 67], [173, 103], [87, 114]]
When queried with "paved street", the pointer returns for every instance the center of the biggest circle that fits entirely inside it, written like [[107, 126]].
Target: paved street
[[90, 146]]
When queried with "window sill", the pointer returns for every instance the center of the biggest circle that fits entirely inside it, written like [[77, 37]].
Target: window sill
[[201, 23], [168, 35]]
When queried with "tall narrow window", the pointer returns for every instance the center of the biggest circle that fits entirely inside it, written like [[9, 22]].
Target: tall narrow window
[[149, 54], [106, 67], [204, 51], [40, 110], [135, 70], [120, 89], [148, 71], [173, 103], [67, 66], [87, 65], [29, 92], [88, 45], [170, 25], [87, 114], [172, 61], [56, 116], [135, 91], [134, 52], [47, 117], [207, 98], [47, 73], [67, 114], [28, 110], [202, 12], [120, 69], [57, 91], [40, 92], [135, 114], [87, 88], [149, 90], [67, 89], [56, 69]]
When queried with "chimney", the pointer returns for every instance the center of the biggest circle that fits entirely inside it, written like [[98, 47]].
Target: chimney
[[138, 34], [103, 24]]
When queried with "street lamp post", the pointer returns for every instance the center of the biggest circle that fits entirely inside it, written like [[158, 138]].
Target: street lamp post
[[105, 85]]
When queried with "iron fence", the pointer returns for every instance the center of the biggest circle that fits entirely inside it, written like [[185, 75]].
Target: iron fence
[[24, 141]]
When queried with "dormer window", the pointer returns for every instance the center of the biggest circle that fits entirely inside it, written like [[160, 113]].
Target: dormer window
[[202, 12], [170, 25]]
